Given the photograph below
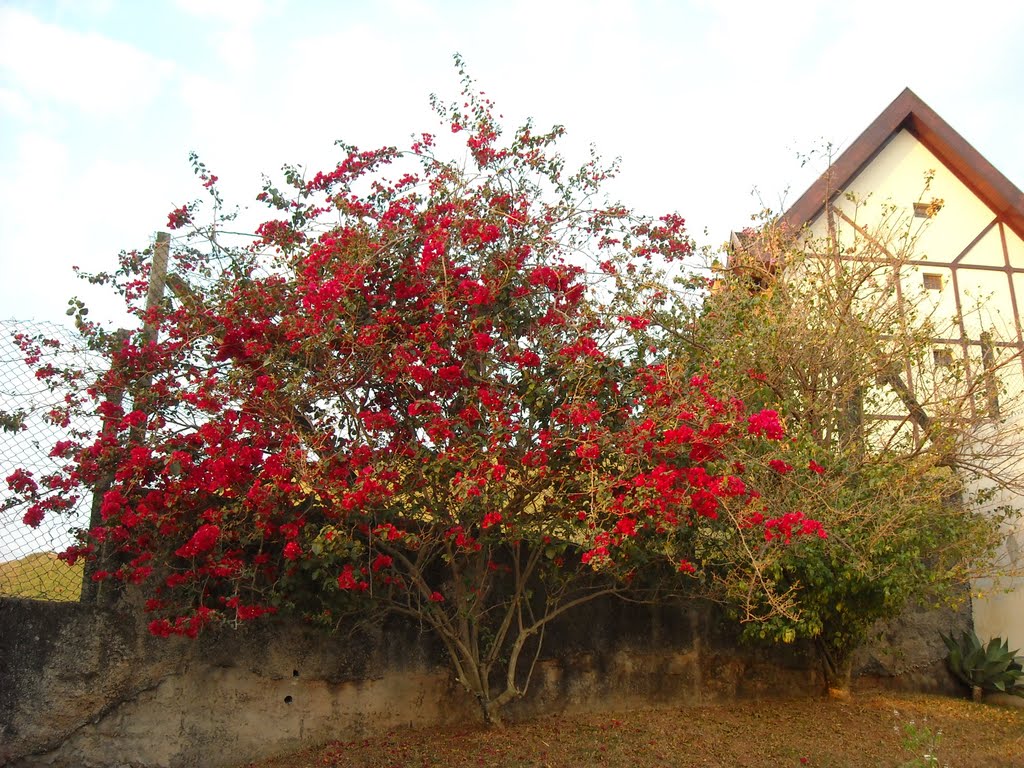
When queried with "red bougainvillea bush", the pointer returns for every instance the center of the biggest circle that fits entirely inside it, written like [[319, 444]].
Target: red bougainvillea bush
[[428, 385]]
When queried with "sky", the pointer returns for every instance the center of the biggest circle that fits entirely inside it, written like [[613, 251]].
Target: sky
[[705, 102]]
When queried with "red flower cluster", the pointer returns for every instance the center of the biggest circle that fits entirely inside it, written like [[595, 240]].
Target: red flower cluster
[[766, 423], [202, 540], [347, 580], [792, 524], [179, 217]]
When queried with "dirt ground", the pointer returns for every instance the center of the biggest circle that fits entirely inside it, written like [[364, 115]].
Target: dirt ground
[[870, 730]]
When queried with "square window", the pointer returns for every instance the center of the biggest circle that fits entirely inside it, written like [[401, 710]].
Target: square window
[[932, 281], [929, 209]]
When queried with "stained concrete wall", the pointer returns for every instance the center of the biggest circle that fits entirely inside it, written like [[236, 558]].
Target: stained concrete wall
[[83, 686]]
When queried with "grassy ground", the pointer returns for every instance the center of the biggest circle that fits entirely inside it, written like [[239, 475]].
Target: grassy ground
[[41, 576], [871, 730]]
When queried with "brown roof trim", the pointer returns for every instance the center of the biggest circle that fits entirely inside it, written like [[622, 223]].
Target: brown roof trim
[[909, 112]]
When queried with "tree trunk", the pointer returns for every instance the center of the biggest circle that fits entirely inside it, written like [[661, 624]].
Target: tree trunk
[[491, 713], [837, 669]]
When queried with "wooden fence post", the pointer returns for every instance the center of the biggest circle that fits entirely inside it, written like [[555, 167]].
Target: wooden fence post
[[92, 591]]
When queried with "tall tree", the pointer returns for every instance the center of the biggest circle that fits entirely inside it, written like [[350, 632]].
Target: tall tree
[[418, 388], [909, 446]]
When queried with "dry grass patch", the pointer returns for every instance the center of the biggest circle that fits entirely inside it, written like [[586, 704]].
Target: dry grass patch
[[868, 731], [43, 577]]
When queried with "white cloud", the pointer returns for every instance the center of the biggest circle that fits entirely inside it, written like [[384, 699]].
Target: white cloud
[[16, 105], [702, 99], [229, 25], [59, 208], [95, 74], [415, 10], [86, 7], [231, 11], [40, 159]]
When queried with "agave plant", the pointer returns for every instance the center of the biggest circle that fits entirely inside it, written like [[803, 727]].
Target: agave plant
[[985, 668]]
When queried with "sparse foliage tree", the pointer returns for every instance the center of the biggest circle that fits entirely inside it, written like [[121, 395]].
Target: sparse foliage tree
[[908, 446]]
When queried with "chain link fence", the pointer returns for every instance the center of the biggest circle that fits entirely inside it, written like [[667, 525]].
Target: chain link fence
[[28, 555]]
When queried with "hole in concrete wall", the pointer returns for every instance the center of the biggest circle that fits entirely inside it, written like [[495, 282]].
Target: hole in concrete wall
[[295, 673], [287, 699]]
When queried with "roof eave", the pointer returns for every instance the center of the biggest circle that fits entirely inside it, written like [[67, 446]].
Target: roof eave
[[909, 112]]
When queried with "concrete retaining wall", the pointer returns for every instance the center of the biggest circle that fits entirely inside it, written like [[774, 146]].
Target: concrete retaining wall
[[84, 686]]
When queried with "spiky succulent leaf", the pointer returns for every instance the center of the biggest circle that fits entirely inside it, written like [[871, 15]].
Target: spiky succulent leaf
[[991, 667]]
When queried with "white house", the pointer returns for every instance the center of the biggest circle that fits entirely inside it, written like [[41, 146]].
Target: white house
[[967, 268]]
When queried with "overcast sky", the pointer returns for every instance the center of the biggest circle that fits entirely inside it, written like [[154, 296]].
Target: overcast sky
[[102, 100]]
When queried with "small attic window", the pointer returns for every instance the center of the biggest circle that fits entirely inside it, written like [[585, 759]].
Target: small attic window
[[926, 210], [932, 281], [943, 357]]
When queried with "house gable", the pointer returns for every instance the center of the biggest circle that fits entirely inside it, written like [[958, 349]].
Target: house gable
[[967, 260], [909, 113]]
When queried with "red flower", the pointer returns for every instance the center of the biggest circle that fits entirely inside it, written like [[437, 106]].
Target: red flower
[[436, 597], [178, 218], [626, 526], [636, 323], [375, 422], [160, 628], [20, 481], [482, 342], [387, 531], [792, 524], [33, 516], [347, 581], [527, 359], [292, 551], [766, 423], [249, 612], [816, 467], [780, 466], [201, 541]]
